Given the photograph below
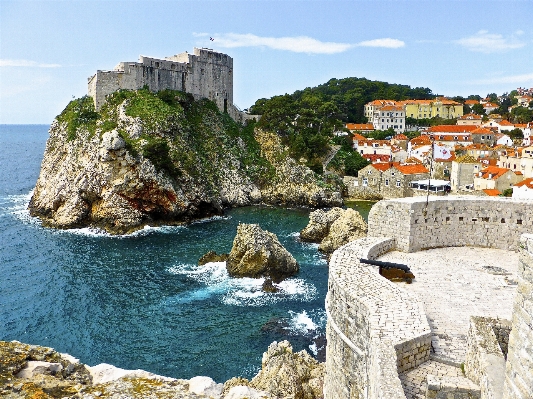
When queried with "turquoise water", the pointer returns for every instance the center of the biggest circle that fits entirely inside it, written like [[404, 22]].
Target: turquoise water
[[141, 301]]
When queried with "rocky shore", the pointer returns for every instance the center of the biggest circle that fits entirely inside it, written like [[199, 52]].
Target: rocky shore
[[30, 371], [146, 160]]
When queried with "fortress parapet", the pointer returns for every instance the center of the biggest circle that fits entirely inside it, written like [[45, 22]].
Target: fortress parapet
[[204, 74]]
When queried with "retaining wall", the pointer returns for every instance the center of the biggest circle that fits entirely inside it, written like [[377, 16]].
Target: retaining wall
[[375, 329], [451, 222], [519, 366]]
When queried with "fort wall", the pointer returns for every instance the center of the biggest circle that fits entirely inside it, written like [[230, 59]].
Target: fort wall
[[519, 366], [376, 330], [451, 221], [204, 74]]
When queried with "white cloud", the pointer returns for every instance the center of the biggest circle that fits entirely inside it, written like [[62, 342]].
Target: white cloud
[[25, 64], [486, 42], [385, 42], [297, 44], [515, 79]]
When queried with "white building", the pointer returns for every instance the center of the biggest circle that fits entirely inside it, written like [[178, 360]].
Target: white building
[[389, 116]]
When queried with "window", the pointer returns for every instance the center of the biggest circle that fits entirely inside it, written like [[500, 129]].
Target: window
[[398, 183], [482, 137], [392, 174], [369, 172], [455, 137], [386, 182], [365, 182]]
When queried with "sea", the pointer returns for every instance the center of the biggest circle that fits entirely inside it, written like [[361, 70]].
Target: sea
[[141, 301]]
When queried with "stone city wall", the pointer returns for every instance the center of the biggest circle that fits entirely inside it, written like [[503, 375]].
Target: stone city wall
[[451, 221], [375, 329], [519, 366], [486, 352]]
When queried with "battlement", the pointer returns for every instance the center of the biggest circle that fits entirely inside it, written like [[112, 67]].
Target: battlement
[[204, 74]]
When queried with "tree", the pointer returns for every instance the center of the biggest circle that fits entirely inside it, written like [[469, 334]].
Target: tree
[[493, 97], [521, 115], [516, 134], [478, 109]]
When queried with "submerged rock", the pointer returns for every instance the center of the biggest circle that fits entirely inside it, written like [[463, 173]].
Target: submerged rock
[[212, 256], [288, 374], [334, 228], [258, 253]]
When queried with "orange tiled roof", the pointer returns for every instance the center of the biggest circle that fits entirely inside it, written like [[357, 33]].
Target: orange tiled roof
[[505, 123], [481, 130], [471, 102], [359, 126], [379, 158], [412, 160], [400, 137], [383, 166], [420, 140], [391, 108], [491, 192], [490, 105], [411, 169], [526, 182], [521, 125], [451, 129], [469, 116], [493, 172]]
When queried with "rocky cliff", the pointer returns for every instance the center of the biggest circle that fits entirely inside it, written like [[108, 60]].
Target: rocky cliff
[[162, 158], [30, 371]]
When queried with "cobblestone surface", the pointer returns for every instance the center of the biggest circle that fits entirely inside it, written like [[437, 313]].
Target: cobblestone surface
[[454, 284], [414, 381]]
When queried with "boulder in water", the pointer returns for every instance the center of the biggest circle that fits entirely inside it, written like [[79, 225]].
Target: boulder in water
[[349, 226], [258, 253], [319, 224]]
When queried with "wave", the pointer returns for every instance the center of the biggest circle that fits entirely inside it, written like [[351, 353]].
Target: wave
[[211, 219], [238, 291]]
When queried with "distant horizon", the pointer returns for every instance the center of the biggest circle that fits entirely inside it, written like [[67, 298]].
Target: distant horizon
[[50, 48]]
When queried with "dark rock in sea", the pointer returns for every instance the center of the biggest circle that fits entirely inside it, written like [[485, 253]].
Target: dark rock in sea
[[212, 256], [268, 286], [258, 253]]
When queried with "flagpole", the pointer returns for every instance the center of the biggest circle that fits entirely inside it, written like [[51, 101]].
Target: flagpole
[[431, 155]]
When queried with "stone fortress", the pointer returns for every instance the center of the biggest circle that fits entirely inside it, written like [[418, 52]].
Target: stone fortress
[[204, 74], [449, 334]]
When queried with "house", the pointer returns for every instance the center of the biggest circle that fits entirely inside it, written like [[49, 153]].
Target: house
[[526, 130], [441, 168], [493, 177], [469, 119], [369, 180], [439, 107], [462, 173], [372, 106], [366, 146], [489, 107], [483, 135], [396, 179], [524, 189], [471, 103], [502, 125], [479, 151], [389, 116], [503, 139], [360, 127], [520, 160], [400, 140]]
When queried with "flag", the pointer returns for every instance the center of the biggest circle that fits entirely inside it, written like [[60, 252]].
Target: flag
[[441, 152]]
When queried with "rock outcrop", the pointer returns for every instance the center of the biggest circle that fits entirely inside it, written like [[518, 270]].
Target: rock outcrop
[[212, 256], [146, 159], [288, 374], [258, 253], [29, 371], [334, 228]]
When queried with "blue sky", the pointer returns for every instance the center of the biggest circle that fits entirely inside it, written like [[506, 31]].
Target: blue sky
[[48, 49]]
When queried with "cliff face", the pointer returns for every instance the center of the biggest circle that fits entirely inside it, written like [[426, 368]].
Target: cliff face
[[161, 159]]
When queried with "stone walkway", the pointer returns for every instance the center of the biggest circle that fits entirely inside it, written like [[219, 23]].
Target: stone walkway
[[414, 381], [454, 284]]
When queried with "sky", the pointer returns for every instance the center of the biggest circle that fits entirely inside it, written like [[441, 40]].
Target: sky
[[48, 49]]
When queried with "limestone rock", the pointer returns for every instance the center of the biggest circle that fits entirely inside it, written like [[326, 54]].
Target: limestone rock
[[258, 253], [212, 256], [139, 174], [245, 392], [319, 224], [288, 374], [205, 386], [348, 227]]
